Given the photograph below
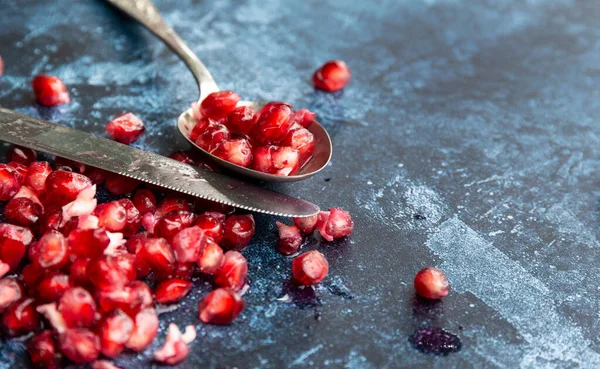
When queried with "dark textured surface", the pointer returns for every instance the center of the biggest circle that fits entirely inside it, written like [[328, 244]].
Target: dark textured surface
[[480, 115]]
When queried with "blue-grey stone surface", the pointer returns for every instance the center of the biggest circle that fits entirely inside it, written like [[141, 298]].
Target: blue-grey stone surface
[[481, 115]]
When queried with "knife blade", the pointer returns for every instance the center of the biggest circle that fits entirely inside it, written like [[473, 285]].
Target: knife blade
[[41, 135]]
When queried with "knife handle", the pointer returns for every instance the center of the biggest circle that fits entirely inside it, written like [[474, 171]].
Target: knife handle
[[145, 12]]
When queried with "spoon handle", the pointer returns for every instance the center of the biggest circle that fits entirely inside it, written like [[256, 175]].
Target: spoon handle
[[146, 13]]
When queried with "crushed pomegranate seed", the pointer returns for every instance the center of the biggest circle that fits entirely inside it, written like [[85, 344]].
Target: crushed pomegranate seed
[[238, 232], [290, 239], [21, 155], [125, 128], [172, 290], [221, 306], [219, 104], [332, 76], [309, 268], [50, 90], [175, 348], [211, 258], [232, 273], [431, 283], [335, 223]]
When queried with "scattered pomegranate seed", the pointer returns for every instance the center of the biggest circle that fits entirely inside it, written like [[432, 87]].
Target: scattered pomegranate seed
[[211, 258], [27, 193], [50, 252], [290, 239], [20, 318], [77, 308], [335, 223], [238, 232], [125, 128], [120, 185], [114, 330], [79, 345], [212, 136], [431, 283], [51, 287], [172, 223], [188, 244], [144, 331], [273, 123], [20, 171], [21, 155], [221, 306], [237, 151], [9, 183], [22, 211], [43, 351], [219, 104], [309, 268], [144, 201], [170, 204], [133, 220], [332, 76], [211, 224], [175, 348], [172, 290], [301, 140], [233, 272], [183, 157], [37, 173], [13, 244], [279, 160], [50, 90], [304, 117], [159, 255], [11, 290], [131, 299], [105, 274], [112, 216], [307, 225], [241, 120], [62, 187], [87, 243]]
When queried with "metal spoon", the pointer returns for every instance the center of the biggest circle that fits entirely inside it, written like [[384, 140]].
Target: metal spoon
[[146, 13]]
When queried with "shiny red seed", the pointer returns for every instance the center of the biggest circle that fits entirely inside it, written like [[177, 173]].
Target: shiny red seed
[[31, 275], [172, 290], [172, 203], [211, 258], [279, 160], [188, 244], [50, 252], [219, 104], [22, 211], [51, 287], [114, 330], [431, 283], [159, 255], [304, 117], [106, 274], [120, 185], [78, 273], [9, 182], [11, 290], [13, 243], [96, 175], [20, 171], [173, 222], [175, 348], [233, 272], [74, 166], [130, 299], [332, 76], [133, 219], [212, 136], [21, 155], [301, 140], [87, 243], [37, 173], [79, 345], [290, 239], [50, 90], [43, 351], [77, 308], [237, 151], [211, 224], [309, 268], [273, 123], [125, 128], [144, 201], [144, 331], [202, 124], [335, 223], [112, 216], [20, 318], [238, 232], [221, 306], [241, 120], [62, 187], [28, 193], [50, 221], [307, 225]]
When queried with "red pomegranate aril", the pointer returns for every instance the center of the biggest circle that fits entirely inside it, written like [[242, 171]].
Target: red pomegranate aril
[[78, 273], [212, 136], [20, 171], [105, 274], [241, 120], [20, 318], [50, 252], [221, 306], [28, 193], [9, 182], [309, 268], [172, 290], [74, 166], [120, 185], [307, 225], [332, 76], [51, 287], [233, 272], [211, 224], [431, 283], [159, 255], [112, 216], [301, 140], [37, 173], [43, 351], [62, 187], [87, 243], [79, 345], [335, 223], [237, 151], [290, 239], [133, 219], [22, 211], [202, 124], [50, 90], [219, 104], [50, 221], [183, 157], [183, 271], [12, 252], [238, 232], [31, 275], [77, 308], [172, 223], [172, 203], [125, 128], [96, 175], [273, 123], [175, 348], [279, 160], [211, 258], [11, 290], [131, 299], [114, 330], [188, 244], [16, 233], [144, 331], [304, 117], [145, 201]]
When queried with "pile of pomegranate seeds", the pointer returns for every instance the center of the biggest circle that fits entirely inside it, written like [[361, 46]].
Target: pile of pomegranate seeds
[[50, 90], [273, 140], [332, 76]]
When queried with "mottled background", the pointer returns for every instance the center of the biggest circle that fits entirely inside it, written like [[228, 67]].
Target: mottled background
[[480, 115]]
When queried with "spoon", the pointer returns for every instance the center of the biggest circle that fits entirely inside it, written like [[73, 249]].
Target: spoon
[[146, 13]]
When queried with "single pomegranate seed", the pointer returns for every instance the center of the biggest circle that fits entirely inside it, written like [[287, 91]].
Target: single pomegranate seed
[[22, 211], [51, 287], [175, 348], [172, 203], [62, 187], [112, 216], [212, 136], [221, 217], [13, 244], [188, 244], [125, 128], [20, 318], [31, 275], [114, 330], [77, 308], [149, 222], [21, 155], [79, 345], [159, 255], [9, 182], [183, 271], [133, 220], [96, 175], [42, 350], [27, 193], [172, 223], [307, 225], [120, 185], [238, 232], [74, 166], [241, 120], [304, 117], [290, 239], [211, 224], [50, 252], [135, 245], [219, 104], [431, 283], [233, 272], [301, 140], [20, 171], [335, 223], [50, 221], [144, 330], [211, 258], [309, 268], [50, 90], [183, 157], [202, 124], [172, 290], [144, 201], [221, 306], [237, 151], [282, 161], [273, 123], [37, 173], [142, 297], [332, 76], [106, 275], [78, 273], [87, 243], [15, 233], [11, 290]]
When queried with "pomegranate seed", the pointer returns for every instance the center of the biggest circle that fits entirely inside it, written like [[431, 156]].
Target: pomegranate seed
[[37, 173], [282, 161], [114, 330], [74, 166], [212, 136], [144, 331], [309, 268], [62, 187], [53, 316], [133, 220], [50, 90], [172, 290], [11, 290], [42, 350], [188, 244], [211, 224], [125, 128], [335, 223], [13, 244], [172, 203], [159, 255], [221, 306], [307, 225], [120, 185], [87, 243], [21, 155], [149, 222], [131, 299], [112, 216], [20, 318], [237, 151], [221, 217], [211, 258], [183, 157], [51, 221], [135, 245], [142, 297], [183, 271], [233, 272], [301, 140], [175, 348], [9, 182], [144, 201], [79, 345], [27, 193], [20, 171], [238, 232], [105, 274], [304, 117], [273, 123], [219, 104], [173, 222], [103, 364], [77, 308], [50, 252], [78, 273], [202, 124], [31, 275], [16, 233], [22, 211], [96, 175], [431, 283], [290, 239], [241, 120], [332, 76], [52, 287]]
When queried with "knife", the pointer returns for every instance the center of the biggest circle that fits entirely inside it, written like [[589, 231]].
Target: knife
[[41, 135]]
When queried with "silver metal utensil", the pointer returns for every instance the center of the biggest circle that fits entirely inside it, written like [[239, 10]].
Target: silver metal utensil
[[145, 166], [146, 13]]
